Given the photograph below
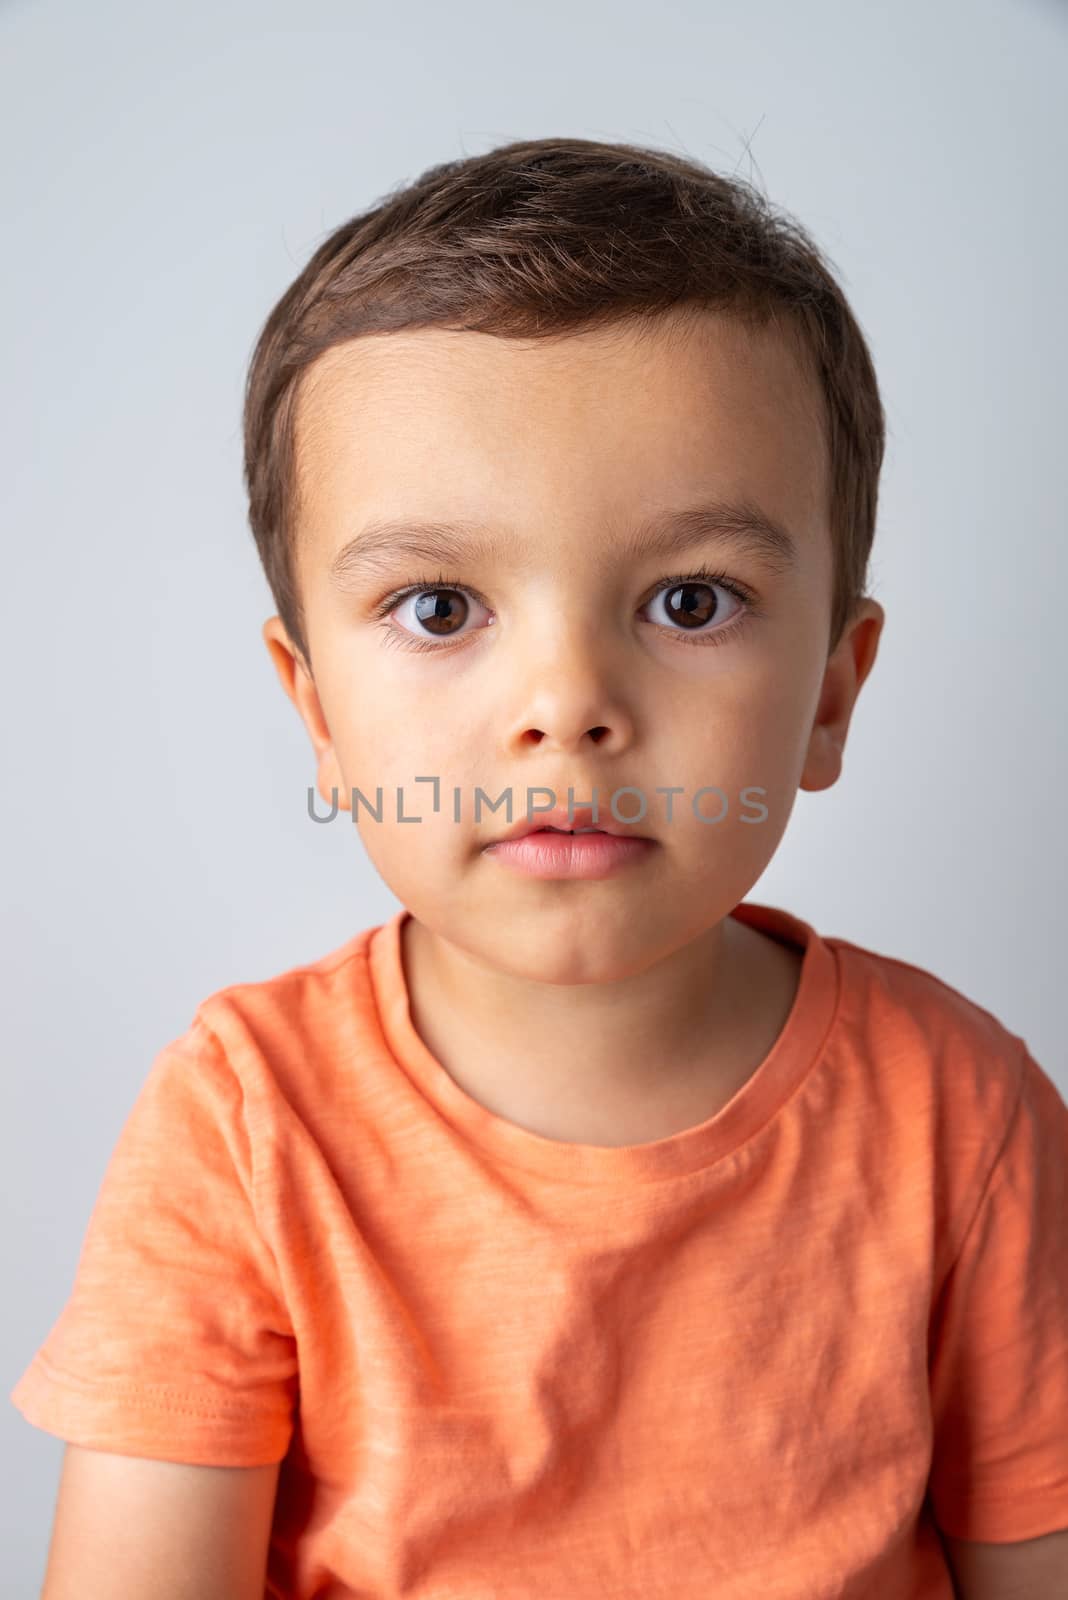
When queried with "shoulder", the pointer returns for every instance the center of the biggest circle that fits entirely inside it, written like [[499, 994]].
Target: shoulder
[[300, 998], [942, 1077], [251, 1039], [903, 1013]]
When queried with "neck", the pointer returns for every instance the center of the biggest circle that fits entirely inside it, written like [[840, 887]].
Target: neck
[[604, 1063]]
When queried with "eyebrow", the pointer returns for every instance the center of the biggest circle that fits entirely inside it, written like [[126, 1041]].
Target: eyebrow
[[381, 543]]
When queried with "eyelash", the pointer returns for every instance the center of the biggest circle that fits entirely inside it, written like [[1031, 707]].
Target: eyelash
[[705, 575]]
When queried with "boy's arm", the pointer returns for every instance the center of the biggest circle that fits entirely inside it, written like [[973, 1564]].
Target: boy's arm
[[1028, 1569], [130, 1526]]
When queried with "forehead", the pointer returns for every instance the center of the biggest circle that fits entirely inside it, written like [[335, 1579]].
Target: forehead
[[441, 423]]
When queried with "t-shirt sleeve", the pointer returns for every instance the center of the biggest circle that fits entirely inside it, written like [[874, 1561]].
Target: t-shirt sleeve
[[175, 1342], [999, 1339]]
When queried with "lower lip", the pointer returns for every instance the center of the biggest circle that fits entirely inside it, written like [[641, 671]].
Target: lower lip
[[570, 855]]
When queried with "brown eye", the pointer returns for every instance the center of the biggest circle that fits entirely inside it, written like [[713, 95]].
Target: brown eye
[[692, 605], [441, 611]]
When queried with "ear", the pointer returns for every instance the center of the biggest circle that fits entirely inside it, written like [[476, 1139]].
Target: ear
[[297, 681], [847, 668]]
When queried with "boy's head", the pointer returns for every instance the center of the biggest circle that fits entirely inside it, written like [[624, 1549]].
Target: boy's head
[[564, 345]]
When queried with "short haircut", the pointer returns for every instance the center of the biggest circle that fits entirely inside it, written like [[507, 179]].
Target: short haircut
[[542, 238]]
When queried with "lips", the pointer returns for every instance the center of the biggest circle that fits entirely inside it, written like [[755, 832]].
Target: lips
[[579, 821]]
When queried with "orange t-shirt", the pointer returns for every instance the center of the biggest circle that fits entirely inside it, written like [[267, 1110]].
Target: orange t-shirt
[[762, 1356]]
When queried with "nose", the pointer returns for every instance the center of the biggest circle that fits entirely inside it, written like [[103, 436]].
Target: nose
[[569, 696]]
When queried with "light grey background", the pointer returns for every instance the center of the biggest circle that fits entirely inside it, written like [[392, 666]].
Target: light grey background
[[166, 172]]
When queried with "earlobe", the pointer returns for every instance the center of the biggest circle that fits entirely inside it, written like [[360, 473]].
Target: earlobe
[[823, 763]]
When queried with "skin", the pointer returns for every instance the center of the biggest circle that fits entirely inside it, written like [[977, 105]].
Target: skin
[[619, 1010]]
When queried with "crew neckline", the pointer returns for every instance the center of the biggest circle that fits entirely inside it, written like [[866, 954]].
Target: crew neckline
[[797, 1048]]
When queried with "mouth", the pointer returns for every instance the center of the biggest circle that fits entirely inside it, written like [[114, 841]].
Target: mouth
[[570, 831], [578, 824], [552, 851]]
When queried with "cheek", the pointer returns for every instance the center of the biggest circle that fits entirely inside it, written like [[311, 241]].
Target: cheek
[[755, 739], [381, 744], [749, 719], [422, 862]]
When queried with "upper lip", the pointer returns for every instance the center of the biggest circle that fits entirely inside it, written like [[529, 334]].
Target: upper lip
[[581, 817]]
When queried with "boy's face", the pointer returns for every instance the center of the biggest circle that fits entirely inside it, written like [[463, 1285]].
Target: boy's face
[[562, 662]]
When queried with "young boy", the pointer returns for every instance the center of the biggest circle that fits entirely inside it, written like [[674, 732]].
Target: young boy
[[584, 1229]]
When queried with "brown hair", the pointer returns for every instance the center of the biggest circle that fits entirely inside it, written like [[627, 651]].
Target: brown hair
[[545, 237]]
